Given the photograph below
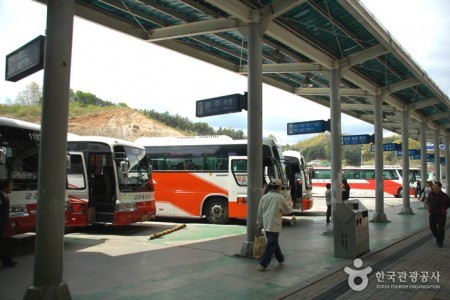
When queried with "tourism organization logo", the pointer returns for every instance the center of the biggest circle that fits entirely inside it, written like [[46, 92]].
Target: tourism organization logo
[[359, 279], [354, 274]]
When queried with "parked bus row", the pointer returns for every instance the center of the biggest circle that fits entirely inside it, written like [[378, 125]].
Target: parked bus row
[[116, 182], [362, 180], [207, 175], [108, 180]]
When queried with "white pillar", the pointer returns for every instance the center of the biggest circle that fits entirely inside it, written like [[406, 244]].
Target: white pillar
[[379, 215], [406, 209], [48, 263], [336, 144], [423, 158], [254, 129], [437, 156]]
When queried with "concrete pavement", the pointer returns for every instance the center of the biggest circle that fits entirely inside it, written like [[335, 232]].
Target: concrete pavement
[[200, 261]]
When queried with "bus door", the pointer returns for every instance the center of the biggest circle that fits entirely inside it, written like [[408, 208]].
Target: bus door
[[77, 191], [102, 188], [237, 186]]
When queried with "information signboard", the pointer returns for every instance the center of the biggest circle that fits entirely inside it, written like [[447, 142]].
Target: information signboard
[[357, 139], [388, 147], [221, 105], [26, 60], [316, 126]]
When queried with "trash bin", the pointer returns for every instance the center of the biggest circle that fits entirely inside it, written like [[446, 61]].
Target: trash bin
[[351, 229]]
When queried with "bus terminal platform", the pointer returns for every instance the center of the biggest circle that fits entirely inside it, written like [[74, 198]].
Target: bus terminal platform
[[201, 262]]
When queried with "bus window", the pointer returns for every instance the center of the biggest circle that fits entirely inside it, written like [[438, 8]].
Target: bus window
[[239, 171]]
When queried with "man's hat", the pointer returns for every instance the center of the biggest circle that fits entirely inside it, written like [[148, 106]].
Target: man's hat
[[276, 182]]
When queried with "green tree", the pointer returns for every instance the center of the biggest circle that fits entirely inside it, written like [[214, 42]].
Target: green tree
[[32, 95]]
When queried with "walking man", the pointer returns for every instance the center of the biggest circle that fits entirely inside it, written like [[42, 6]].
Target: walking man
[[270, 212], [6, 187], [438, 204]]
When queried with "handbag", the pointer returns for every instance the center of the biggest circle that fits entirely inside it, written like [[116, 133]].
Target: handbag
[[259, 244]]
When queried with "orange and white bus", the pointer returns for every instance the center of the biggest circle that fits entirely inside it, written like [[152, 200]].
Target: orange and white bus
[[207, 175], [19, 161], [299, 175], [362, 180], [109, 182]]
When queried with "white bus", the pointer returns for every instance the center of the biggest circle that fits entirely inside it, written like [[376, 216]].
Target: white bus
[[109, 182], [207, 175], [362, 180], [299, 180], [19, 161]]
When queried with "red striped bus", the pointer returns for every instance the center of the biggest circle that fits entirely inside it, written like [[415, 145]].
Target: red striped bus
[[207, 175], [109, 182], [362, 180]]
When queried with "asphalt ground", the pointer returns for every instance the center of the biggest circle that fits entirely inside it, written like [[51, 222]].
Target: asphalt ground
[[201, 261]]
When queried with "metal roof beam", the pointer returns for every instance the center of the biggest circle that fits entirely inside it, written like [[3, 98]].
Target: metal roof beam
[[327, 91], [278, 8], [364, 107], [362, 15], [439, 116], [241, 11], [362, 56], [398, 86], [192, 29], [287, 68], [424, 103], [236, 9]]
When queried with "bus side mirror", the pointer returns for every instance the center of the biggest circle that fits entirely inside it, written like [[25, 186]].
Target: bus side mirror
[[68, 163], [2, 155], [124, 168]]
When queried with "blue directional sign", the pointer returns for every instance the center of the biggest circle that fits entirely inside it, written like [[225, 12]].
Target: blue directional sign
[[389, 147], [357, 139], [430, 146], [308, 127], [431, 159], [411, 152], [26, 60], [221, 105]]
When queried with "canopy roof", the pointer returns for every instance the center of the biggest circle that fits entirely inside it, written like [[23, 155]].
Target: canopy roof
[[302, 41]]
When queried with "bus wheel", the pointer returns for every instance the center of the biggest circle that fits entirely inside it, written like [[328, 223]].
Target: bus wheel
[[400, 193], [217, 211]]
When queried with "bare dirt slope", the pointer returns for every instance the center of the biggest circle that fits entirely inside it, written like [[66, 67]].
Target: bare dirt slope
[[125, 123]]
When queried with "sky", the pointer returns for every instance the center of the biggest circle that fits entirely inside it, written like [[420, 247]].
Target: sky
[[119, 68]]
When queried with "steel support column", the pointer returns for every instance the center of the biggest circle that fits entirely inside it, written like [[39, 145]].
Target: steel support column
[[48, 263], [447, 162], [437, 156], [254, 129], [379, 215], [423, 158], [336, 143], [406, 209]]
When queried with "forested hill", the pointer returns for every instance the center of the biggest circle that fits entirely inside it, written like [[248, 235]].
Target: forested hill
[[90, 115]]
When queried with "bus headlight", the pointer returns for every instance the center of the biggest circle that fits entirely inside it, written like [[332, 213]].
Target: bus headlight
[[18, 211], [130, 206]]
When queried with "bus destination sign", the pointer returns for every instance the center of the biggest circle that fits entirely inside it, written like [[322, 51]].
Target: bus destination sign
[[221, 105], [26, 60]]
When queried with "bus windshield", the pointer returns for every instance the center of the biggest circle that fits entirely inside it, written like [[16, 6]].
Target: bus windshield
[[135, 175], [22, 157]]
